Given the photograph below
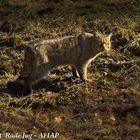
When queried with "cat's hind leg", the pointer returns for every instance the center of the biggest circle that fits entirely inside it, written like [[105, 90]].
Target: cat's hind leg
[[37, 75]]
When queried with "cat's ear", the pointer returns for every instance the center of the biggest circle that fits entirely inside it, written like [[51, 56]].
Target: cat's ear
[[110, 35]]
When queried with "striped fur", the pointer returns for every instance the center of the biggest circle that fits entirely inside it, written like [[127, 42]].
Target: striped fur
[[76, 51]]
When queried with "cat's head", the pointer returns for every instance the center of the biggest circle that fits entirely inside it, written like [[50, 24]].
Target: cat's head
[[103, 41]]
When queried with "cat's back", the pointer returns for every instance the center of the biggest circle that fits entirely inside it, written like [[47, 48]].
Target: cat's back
[[53, 46]]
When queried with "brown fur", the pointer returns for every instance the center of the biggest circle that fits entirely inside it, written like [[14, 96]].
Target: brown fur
[[76, 51]]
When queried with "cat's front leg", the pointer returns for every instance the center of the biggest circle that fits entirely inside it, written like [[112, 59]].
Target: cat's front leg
[[82, 70], [75, 72]]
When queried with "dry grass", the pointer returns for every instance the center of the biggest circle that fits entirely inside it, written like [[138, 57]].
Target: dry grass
[[109, 107]]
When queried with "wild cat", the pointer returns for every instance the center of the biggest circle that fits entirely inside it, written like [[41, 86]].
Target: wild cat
[[76, 51]]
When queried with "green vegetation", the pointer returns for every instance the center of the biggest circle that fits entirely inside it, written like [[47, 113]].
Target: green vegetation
[[108, 108]]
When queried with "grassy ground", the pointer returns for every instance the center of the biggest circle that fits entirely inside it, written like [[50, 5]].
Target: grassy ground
[[108, 108]]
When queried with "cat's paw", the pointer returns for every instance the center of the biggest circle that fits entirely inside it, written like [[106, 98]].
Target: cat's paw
[[88, 80]]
